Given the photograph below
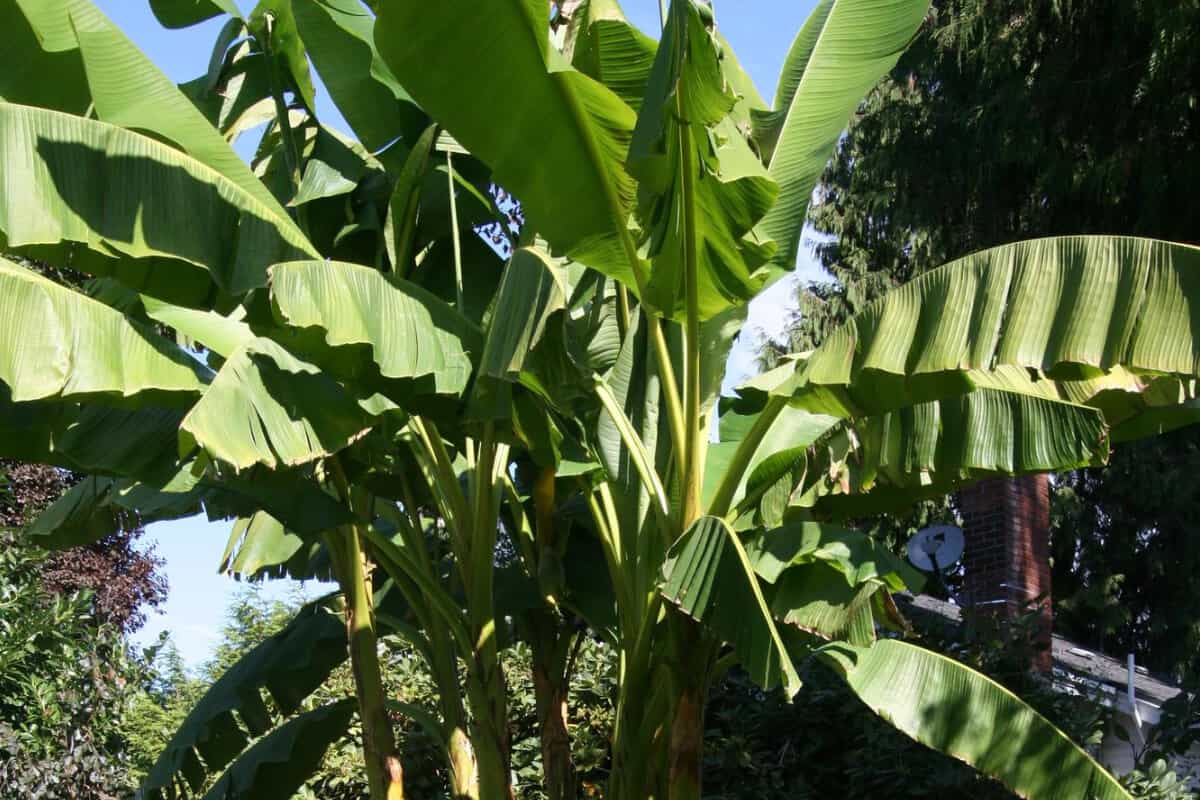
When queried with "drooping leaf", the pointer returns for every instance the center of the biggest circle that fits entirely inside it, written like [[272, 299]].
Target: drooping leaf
[[854, 554], [400, 227], [293, 497], [220, 334], [289, 665], [97, 507], [127, 89], [278, 765], [554, 137], [268, 407], [890, 461], [709, 577], [92, 439], [984, 432], [339, 38], [84, 514], [604, 45], [413, 338], [531, 290], [72, 183], [698, 176], [35, 75], [58, 343], [838, 56], [954, 709], [261, 546], [816, 599], [1067, 308]]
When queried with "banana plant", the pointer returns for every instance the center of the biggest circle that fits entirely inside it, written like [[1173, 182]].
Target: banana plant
[[376, 380], [333, 300], [657, 165]]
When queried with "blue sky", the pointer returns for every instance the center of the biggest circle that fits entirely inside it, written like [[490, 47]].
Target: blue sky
[[760, 32]]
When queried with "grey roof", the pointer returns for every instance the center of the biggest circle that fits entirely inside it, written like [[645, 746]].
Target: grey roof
[[1076, 668]]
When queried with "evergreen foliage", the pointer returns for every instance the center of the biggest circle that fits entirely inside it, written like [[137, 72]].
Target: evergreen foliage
[[1009, 120]]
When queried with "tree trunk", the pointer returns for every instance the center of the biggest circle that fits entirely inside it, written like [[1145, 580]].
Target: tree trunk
[[550, 692], [692, 667], [687, 745], [551, 642]]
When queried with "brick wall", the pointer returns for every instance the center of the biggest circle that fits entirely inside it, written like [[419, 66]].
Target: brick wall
[[1006, 560]]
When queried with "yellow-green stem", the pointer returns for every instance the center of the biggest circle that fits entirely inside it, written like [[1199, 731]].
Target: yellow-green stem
[[622, 311], [723, 497], [486, 688], [291, 149], [385, 774], [694, 440], [671, 396], [458, 272], [690, 643]]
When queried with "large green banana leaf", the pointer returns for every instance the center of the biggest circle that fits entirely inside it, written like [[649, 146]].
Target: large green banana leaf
[[99, 507], [708, 575], [822, 579], [268, 407], [1070, 308], [291, 496], [234, 95], [814, 600], [947, 443], [33, 75], [92, 439], [780, 450], [604, 45], [554, 137], [634, 383], [58, 343], [952, 708], [417, 343], [532, 290], [289, 665], [127, 89], [261, 546], [842, 51], [1008, 424], [215, 332], [140, 447], [854, 554], [339, 38], [702, 189], [277, 766], [95, 197], [940, 445]]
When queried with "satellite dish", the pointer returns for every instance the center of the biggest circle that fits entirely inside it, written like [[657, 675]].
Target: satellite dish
[[936, 548]]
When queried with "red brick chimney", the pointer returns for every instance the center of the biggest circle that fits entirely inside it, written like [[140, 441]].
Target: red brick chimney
[[1006, 557]]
